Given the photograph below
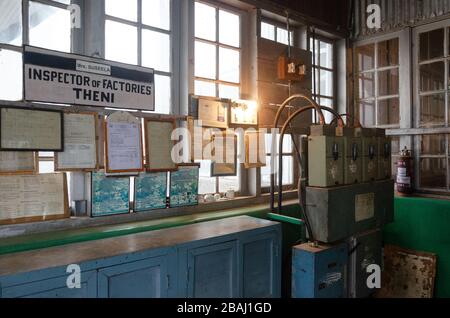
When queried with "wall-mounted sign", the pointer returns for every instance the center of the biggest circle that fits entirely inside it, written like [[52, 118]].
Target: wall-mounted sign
[[55, 77], [213, 112]]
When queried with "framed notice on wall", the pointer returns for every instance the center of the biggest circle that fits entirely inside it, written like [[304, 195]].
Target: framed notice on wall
[[225, 155], [184, 186], [23, 129], [150, 191], [255, 149], [159, 145], [33, 198], [80, 143], [123, 144], [18, 162], [56, 77], [212, 112], [109, 195]]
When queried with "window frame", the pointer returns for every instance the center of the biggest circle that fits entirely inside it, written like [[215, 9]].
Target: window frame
[[140, 26], [317, 66], [217, 44], [277, 25], [376, 98], [431, 129]]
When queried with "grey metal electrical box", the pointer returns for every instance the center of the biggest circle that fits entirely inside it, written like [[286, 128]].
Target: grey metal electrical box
[[369, 154], [384, 158], [339, 212], [365, 249], [325, 157], [352, 155]]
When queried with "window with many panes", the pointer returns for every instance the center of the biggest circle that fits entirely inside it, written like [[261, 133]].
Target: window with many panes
[[433, 91], [276, 33], [377, 84], [217, 72], [288, 163], [139, 32], [323, 73], [47, 25]]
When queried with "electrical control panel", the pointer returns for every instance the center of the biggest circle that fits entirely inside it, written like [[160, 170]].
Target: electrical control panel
[[352, 155], [369, 154], [384, 158], [319, 271]]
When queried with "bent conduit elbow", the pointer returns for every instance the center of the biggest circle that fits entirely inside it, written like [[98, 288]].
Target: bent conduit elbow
[[280, 146]]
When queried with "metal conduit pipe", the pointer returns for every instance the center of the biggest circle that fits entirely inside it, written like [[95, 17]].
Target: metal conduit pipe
[[275, 125], [280, 158]]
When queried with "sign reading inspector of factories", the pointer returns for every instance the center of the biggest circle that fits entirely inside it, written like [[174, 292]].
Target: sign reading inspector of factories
[[55, 77]]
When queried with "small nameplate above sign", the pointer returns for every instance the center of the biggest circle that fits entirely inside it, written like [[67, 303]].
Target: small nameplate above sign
[[55, 77]]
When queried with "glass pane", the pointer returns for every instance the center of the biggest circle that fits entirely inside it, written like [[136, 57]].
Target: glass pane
[[267, 31], [327, 102], [314, 48], [388, 112], [120, 42], [433, 144], [122, 9], [282, 36], [388, 53], [229, 65], [205, 21], [367, 113], [432, 76], [395, 145], [206, 183], [10, 75], [46, 167], [163, 96], [50, 27], [156, 13], [287, 144], [228, 91], [366, 57], [326, 55], [205, 60], [229, 28], [388, 82], [326, 83], [433, 173], [366, 87], [156, 50], [11, 22], [63, 1], [431, 44], [288, 172], [432, 110], [205, 88]]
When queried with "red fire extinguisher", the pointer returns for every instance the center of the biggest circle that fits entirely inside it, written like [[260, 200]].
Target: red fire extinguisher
[[405, 173]]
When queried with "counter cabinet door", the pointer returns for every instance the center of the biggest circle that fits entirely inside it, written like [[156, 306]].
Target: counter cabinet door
[[147, 278], [212, 271], [57, 287], [261, 265]]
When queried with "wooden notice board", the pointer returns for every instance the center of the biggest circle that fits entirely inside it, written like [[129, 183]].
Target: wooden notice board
[[33, 198], [159, 144], [18, 162], [123, 144], [80, 143], [23, 129]]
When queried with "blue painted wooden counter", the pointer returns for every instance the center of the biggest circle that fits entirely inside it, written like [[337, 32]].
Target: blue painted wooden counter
[[233, 257]]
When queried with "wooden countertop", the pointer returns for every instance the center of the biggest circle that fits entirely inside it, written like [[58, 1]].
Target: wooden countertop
[[87, 251]]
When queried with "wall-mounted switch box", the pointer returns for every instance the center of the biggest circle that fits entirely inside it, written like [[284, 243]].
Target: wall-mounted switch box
[[384, 158], [319, 271], [369, 154], [352, 155], [325, 157]]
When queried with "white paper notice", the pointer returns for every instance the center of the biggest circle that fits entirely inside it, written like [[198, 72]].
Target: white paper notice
[[124, 146], [31, 196], [79, 142], [11, 161]]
